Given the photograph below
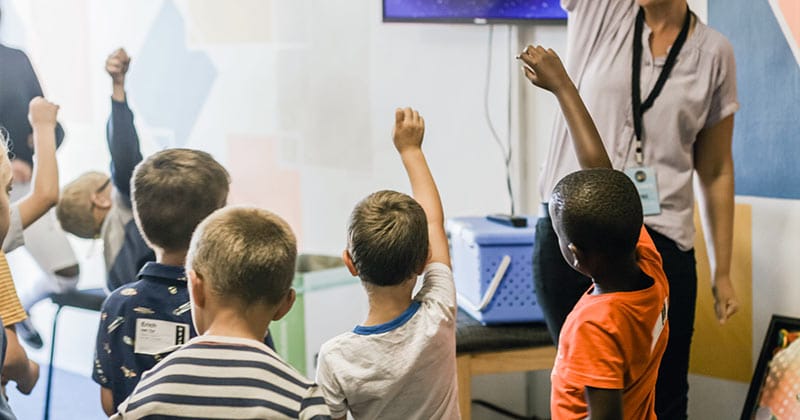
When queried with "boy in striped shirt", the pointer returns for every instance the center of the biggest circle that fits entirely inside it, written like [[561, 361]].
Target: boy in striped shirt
[[240, 267]]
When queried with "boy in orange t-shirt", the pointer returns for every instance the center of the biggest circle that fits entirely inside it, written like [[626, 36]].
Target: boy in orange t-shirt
[[612, 342]]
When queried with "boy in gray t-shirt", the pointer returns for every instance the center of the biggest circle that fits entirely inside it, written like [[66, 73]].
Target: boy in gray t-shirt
[[401, 362]]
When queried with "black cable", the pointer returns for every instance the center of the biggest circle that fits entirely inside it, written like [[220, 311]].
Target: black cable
[[503, 411], [506, 151]]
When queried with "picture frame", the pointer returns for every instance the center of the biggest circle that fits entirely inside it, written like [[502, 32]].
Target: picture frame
[[776, 340]]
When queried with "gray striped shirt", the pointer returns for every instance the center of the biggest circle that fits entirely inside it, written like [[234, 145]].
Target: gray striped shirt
[[214, 377]]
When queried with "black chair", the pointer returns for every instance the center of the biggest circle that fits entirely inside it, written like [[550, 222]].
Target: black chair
[[88, 299]]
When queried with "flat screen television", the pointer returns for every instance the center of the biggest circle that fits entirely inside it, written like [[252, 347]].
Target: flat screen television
[[472, 11]]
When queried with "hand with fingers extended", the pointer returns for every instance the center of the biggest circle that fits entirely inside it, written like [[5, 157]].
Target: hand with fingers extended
[[409, 128], [42, 113], [117, 65], [543, 68]]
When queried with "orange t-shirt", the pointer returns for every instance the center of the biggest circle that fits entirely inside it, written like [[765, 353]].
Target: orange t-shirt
[[614, 341]]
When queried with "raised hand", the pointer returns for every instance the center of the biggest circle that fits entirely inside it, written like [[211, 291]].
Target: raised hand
[[42, 113], [543, 68], [409, 128], [117, 66]]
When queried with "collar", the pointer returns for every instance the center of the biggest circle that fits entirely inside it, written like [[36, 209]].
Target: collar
[[391, 325], [163, 273]]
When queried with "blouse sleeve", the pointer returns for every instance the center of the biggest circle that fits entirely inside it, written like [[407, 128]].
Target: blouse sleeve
[[724, 101]]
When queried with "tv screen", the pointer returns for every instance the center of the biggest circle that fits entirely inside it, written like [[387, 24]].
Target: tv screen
[[472, 11]]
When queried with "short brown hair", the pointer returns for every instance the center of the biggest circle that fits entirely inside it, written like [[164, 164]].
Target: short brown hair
[[74, 208], [172, 191], [245, 253], [388, 238]]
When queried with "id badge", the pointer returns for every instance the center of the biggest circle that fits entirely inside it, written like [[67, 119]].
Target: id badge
[[154, 336], [644, 178]]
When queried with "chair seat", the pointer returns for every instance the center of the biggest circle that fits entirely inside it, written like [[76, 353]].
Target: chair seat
[[473, 337], [89, 299]]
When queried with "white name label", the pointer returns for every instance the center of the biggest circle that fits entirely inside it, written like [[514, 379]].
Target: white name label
[[659, 327], [154, 336]]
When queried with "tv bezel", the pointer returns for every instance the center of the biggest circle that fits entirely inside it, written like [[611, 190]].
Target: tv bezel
[[472, 21]]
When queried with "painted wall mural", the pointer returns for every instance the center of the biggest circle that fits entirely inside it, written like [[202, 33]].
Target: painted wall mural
[[765, 35]]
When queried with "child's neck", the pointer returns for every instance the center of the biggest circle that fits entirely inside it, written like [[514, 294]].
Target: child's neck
[[624, 275], [229, 322], [388, 302], [174, 258]]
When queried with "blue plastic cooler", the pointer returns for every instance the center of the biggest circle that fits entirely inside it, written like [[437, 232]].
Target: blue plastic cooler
[[484, 252]]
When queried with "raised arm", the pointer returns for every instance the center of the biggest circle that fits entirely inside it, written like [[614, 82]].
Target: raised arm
[[409, 129], [123, 141], [545, 70], [44, 194]]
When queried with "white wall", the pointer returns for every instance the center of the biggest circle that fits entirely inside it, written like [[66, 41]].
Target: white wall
[[321, 87]]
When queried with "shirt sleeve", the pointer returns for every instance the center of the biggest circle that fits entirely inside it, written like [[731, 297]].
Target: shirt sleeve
[[123, 144], [590, 24], [330, 387], [15, 237], [724, 100], [104, 372], [596, 358], [438, 288], [313, 406]]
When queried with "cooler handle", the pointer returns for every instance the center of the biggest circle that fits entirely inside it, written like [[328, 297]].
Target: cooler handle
[[493, 285]]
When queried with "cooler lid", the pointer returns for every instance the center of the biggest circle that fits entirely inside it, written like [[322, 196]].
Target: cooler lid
[[483, 231]]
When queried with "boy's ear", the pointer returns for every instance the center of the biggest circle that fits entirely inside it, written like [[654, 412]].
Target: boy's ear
[[196, 289], [286, 305], [348, 261], [578, 256], [101, 201]]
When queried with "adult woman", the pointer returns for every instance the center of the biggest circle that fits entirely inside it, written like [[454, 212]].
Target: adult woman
[[680, 123]]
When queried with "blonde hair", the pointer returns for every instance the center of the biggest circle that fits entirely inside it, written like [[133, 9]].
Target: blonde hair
[[245, 253], [74, 208]]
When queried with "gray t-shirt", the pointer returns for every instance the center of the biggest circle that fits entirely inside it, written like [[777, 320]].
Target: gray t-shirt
[[403, 369], [700, 92]]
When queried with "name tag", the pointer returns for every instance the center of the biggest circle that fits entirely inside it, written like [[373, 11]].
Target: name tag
[[662, 321], [644, 178], [154, 336]]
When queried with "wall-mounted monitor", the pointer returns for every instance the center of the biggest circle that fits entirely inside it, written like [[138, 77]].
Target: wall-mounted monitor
[[472, 11]]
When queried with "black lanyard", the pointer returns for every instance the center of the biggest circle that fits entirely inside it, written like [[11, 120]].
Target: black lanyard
[[639, 107]]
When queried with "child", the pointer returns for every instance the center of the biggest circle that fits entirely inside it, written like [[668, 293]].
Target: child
[[90, 207], [240, 266], [613, 340], [172, 192], [401, 362], [34, 206], [14, 363]]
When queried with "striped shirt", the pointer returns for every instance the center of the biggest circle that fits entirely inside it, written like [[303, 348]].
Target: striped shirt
[[11, 310], [214, 377]]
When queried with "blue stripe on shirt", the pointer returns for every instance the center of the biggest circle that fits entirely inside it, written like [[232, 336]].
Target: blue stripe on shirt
[[391, 325]]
